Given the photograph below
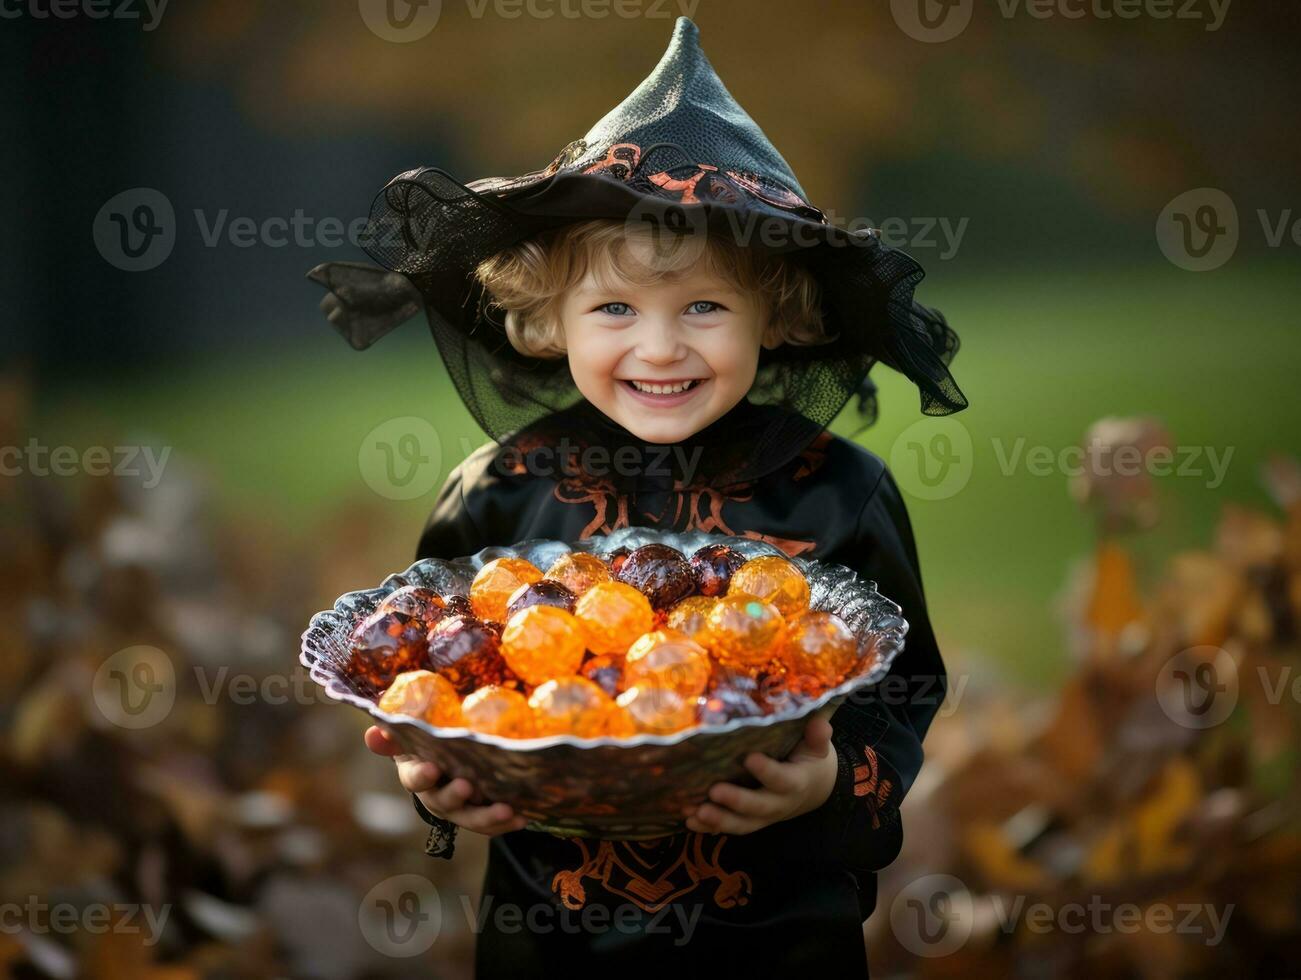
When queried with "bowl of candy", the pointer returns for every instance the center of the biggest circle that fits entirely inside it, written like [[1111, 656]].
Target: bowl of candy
[[599, 686]]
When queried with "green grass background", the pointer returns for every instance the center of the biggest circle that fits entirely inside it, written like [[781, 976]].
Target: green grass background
[[1044, 355]]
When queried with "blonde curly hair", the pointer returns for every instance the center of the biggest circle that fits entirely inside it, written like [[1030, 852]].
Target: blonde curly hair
[[529, 280]]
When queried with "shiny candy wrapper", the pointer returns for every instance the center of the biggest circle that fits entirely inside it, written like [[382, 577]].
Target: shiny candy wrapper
[[630, 787]]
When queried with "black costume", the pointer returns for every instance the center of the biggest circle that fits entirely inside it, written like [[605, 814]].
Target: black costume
[[796, 892]]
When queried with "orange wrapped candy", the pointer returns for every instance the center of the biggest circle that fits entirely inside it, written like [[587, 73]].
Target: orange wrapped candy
[[621, 724], [658, 710], [689, 615], [775, 579], [819, 651], [613, 615], [496, 581], [670, 659], [496, 710], [423, 694], [542, 642], [575, 706], [743, 631], [578, 571]]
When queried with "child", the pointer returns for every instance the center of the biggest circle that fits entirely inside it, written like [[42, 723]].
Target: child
[[675, 375]]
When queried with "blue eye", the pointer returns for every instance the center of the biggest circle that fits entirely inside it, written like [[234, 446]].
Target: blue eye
[[606, 308], [704, 302]]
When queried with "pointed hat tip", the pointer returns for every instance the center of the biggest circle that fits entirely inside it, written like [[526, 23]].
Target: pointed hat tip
[[684, 31]]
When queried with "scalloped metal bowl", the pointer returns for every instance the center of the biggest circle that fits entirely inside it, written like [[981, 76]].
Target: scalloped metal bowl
[[627, 788]]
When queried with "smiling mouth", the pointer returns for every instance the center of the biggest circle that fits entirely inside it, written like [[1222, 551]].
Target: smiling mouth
[[662, 387]]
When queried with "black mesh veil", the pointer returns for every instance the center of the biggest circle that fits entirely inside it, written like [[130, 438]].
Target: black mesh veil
[[681, 154]]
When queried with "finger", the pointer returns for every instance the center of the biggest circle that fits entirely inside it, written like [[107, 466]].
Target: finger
[[711, 819], [497, 818], [378, 741], [780, 777], [419, 776], [454, 796], [320, 274], [817, 735], [745, 802]]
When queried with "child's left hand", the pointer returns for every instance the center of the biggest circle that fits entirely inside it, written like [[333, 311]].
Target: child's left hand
[[788, 789]]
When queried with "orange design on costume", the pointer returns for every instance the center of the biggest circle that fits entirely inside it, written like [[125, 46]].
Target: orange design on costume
[[603, 497], [813, 455], [869, 784], [653, 873], [688, 509], [513, 462], [728, 186], [620, 160], [684, 187]]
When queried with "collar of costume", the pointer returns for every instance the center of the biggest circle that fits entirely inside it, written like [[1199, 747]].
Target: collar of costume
[[584, 445]]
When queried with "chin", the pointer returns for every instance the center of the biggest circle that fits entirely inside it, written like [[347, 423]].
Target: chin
[[664, 433]]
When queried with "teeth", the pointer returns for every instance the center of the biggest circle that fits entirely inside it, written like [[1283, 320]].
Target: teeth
[[655, 389]]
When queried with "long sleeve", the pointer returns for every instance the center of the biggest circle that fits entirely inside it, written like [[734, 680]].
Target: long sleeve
[[449, 533], [878, 734]]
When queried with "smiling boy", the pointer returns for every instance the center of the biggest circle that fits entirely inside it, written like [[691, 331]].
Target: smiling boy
[[562, 324]]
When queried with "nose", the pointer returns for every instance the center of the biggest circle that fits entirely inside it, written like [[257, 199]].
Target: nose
[[659, 341]]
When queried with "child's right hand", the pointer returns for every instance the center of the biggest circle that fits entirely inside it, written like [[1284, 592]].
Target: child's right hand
[[449, 801]]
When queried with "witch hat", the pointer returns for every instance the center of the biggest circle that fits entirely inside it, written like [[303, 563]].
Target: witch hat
[[681, 146]]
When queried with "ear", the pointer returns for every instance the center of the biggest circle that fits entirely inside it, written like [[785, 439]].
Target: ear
[[772, 338]]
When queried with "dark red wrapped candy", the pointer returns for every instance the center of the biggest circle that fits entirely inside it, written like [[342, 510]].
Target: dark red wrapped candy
[[658, 572], [774, 691], [713, 567], [543, 592], [605, 670], [617, 557], [731, 697], [383, 645], [467, 651], [423, 605], [458, 605]]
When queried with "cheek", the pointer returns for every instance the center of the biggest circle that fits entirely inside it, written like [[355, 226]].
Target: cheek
[[733, 357], [592, 355]]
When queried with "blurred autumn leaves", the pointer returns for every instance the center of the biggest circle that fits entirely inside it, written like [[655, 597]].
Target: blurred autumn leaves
[[235, 826], [1141, 821], [1130, 109], [1144, 821]]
